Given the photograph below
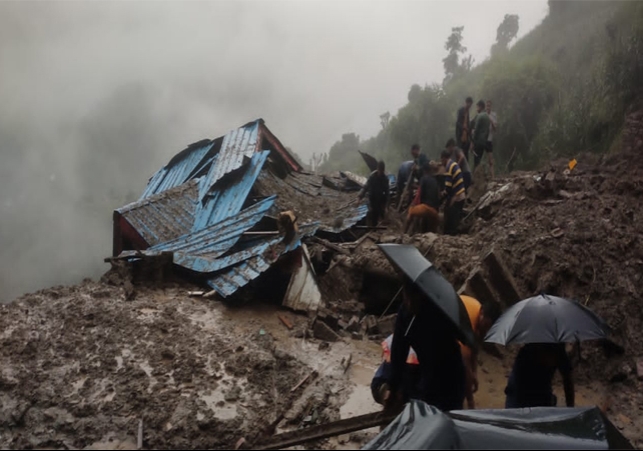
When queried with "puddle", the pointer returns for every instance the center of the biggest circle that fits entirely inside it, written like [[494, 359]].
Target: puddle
[[226, 412]]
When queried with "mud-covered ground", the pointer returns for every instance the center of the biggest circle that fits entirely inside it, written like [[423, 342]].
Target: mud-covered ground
[[82, 366]]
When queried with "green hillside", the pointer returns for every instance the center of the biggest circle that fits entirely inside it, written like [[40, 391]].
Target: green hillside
[[561, 90]]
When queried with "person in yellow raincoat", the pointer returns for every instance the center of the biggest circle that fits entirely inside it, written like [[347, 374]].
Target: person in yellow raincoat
[[482, 318]]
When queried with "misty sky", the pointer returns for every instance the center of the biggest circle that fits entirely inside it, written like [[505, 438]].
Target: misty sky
[[96, 96]]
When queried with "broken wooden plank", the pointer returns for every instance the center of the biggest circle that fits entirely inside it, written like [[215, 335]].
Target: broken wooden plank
[[502, 279], [348, 362], [268, 233], [312, 374], [139, 444], [322, 431], [330, 245], [285, 321], [378, 227]]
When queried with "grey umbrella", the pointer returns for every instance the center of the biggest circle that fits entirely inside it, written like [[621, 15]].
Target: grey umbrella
[[408, 259], [547, 319]]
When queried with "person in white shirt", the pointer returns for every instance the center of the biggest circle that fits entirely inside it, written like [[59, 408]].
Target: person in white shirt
[[492, 128]]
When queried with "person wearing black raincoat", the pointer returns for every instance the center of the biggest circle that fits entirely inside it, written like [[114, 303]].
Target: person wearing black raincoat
[[420, 324]]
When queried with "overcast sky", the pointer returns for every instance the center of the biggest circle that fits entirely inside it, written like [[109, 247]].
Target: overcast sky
[[96, 96]]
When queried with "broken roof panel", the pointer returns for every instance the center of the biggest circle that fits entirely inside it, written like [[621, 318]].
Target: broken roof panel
[[227, 199], [237, 145], [218, 238], [180, 168], [311, 200], [346, 218], [164, 216], [230, 280]]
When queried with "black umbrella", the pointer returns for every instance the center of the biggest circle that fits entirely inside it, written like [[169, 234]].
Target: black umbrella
[[547, 319], [370, 161], [422, 272]]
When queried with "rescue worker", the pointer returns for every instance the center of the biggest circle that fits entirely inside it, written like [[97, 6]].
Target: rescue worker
[[462, 132], [530, 381], [404, 175], [423, 213], [380, 384], [377, 188], [482, 318], [482, 125], [454, 194], [458, 155], [422, 325]]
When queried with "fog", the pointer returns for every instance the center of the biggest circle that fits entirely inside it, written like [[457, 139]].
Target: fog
[[95, 97]]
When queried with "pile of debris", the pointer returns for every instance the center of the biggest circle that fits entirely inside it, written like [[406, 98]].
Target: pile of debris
[[234, 208]]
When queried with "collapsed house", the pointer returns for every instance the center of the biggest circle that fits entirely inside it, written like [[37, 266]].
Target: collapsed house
[[234, 210]]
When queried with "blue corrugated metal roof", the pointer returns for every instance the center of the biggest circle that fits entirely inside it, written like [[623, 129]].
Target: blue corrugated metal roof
[[237, 145], [225, 201], [209, 265], [178, 171], [164, 216], [235, 277], [218, 238]]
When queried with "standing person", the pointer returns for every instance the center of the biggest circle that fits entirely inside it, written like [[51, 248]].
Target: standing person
[[404, 175], [421, 324], [418, 163], [493, 119], [530, 381], [454, 194], [425, 206], [459, 157], [377, 188], [482, 318], [481, 128], [462, 131]]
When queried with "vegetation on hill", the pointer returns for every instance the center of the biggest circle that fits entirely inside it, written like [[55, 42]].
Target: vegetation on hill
[[561, 90]]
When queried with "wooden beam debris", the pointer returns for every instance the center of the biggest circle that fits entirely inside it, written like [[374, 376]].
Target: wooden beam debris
[[330, 245], [322, 431]]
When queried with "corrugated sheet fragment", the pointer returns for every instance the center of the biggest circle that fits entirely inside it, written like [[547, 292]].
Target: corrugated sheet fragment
[[231, 279], [220, 237], [303, 292], [346, 218], [226, 199], [237, 145], [178, 171], [239, 276], [164, 216]]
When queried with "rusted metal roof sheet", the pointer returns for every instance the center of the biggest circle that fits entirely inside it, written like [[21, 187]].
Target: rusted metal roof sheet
[[311, 201], [226, 199], [179, 169], [237, 145], [303, 292], [346, 218], [164, 216], [220, 237]]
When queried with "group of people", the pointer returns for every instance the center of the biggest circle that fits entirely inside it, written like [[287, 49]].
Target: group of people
[[445, 183], [423, 360]]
